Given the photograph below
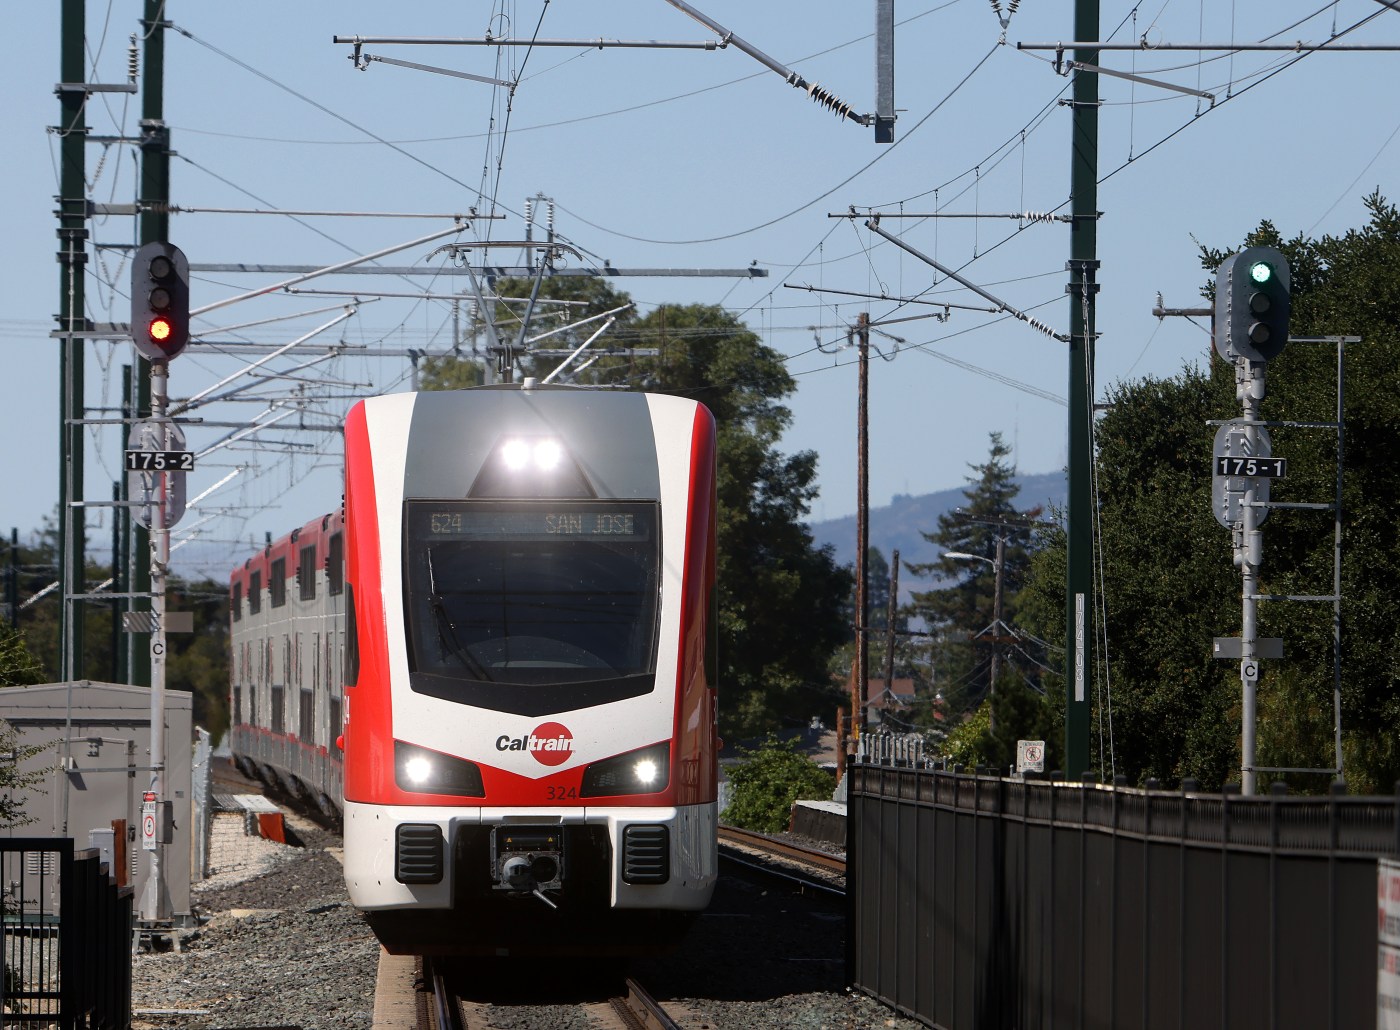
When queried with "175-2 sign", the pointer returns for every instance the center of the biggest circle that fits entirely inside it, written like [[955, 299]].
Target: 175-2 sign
[[1269, 468], [160, 461]]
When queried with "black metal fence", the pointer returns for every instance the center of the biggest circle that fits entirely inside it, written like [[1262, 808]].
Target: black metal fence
[[980, 903], [66, 938]]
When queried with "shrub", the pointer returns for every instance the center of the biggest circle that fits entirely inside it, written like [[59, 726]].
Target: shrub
[[768, 780]]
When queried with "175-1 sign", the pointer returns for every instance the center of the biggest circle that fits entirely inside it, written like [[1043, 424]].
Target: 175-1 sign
[[1270, 468]]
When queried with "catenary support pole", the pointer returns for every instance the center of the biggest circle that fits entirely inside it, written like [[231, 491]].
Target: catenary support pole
[[154, 224], [891, 617], [998, 569], [862, 677], [72, 257], [1079, 586], [155, 900]]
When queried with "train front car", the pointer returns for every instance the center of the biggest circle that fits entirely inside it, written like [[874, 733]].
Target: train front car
[[530, 738]]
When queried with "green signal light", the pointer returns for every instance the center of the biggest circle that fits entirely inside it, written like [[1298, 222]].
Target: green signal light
[[1261, 272]]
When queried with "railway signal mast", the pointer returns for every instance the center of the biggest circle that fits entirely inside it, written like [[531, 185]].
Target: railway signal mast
[[1252, 307], [156, 465]]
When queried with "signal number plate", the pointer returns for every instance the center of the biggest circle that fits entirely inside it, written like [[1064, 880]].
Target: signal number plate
[[159, 461]]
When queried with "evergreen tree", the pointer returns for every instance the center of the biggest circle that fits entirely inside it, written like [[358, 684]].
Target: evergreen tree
[[960, 616]]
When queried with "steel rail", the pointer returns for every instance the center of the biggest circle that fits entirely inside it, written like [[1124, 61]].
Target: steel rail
[[443, 1011], [784, 849], [641, 1010]]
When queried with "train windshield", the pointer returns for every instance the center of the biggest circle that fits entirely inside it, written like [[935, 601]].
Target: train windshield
[[532, 606]]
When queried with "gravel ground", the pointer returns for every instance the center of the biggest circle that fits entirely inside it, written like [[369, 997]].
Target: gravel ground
[[283, 948]]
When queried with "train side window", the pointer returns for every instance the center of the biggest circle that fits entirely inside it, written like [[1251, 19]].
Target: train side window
[[306, 573], [335, 718], [304, 717], [236, 601], [352, 640], [255, 592], [335, 564], [278, 722], [277, 582], [237, 706]]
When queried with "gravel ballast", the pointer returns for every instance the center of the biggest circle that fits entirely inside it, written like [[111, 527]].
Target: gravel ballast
[[282, 947]]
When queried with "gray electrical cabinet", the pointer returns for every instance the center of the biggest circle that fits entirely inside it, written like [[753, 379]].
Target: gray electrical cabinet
[[96, 767]]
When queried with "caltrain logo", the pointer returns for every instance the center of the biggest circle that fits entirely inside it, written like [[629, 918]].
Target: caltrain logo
[[550, 743]]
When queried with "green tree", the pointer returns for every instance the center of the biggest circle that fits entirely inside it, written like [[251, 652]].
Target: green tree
[[199, 661], [780, 594], [17, 666], [1169, 582], [767, 780], [14, 784], [41, 599], [1166, 591]]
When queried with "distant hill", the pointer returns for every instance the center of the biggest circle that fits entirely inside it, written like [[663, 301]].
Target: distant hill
[[899, 524]]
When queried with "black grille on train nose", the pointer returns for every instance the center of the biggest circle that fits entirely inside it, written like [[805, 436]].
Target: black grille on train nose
[[646, 854], [418, 853]]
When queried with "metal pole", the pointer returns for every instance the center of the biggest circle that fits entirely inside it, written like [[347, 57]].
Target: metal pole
[[12, 579], [996, 634], [1251, 375], [1079, 582], [117, 576], [72, 236], [154, 224], [155, 899], [862, 519], [1337, 570], [121, 520], [892, 611]]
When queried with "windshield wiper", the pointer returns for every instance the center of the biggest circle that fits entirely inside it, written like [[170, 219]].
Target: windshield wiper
[[447, 632]]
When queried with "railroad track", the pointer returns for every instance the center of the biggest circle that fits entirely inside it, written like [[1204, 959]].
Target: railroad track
[[807, 870], [776, 846], [441, 1006]]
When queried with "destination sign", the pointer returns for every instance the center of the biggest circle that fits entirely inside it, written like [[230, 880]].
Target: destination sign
[[631, 522]]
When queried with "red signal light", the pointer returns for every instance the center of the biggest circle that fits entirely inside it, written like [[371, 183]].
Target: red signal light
[[160, 301]]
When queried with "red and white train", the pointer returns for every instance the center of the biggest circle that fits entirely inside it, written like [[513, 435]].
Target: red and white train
[[498, 663]]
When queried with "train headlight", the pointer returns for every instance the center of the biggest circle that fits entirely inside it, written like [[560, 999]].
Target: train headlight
[[418, 769], [548, 455], [531, 466], [646, 771], [516, 454], [540, 455], [422, 771]]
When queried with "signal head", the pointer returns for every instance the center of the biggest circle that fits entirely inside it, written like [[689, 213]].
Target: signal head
[[1252, 304], [160, 301]]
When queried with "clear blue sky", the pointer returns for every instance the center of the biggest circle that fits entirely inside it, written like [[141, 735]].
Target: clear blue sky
[[681, 158]]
